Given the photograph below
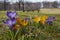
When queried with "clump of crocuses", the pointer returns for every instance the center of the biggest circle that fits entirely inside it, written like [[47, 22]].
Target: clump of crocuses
[[44, 20], [11, 20], [14, 22], [18, 24]]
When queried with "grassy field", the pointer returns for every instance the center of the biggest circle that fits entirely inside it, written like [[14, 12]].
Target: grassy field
[[44, 35], [42, 12]]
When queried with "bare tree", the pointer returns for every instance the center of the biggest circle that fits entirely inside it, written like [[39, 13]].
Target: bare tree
[[4, 4]]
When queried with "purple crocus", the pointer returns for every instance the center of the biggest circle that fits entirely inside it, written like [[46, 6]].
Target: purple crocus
[[50, 20], [11, 14], [10, 22]]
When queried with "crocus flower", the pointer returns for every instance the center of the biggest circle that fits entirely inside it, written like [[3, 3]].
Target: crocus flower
[[11, 14], [18, 20], [43, 19], [10, 22], [50, 20], [37, 19], [24, 23]]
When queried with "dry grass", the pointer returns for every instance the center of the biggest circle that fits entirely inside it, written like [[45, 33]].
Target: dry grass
[[50, 11]]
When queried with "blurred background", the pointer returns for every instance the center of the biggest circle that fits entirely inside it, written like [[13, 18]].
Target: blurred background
[[28, 4]]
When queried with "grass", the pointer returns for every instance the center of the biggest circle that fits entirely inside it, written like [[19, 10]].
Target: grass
[[44, 35]]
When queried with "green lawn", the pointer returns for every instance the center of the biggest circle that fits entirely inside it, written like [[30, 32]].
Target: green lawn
[[50, 12]]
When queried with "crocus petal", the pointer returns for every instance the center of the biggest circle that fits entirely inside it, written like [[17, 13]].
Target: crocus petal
[[43, 19], [11, 14], [37, 19], [9, 22], [18, 20], [24, 23], [12, 27], [13, 21], [14, 14], [51, 18], [49, 22]]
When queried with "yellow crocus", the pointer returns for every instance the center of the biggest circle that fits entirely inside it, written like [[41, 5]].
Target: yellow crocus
[[43, 19], [24, 23], [37, 19]]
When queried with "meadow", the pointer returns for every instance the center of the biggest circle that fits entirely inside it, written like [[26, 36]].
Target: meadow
[[50, 33]]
